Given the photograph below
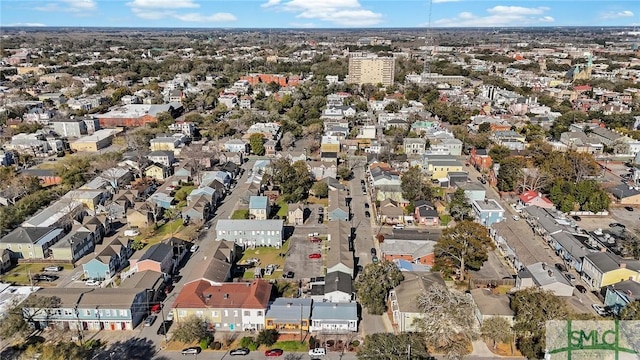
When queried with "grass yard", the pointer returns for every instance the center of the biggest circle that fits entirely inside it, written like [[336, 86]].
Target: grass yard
[[162, 232], [318, 201], [291, 345], [267, 255], [445, 219], [20, 273], [240, 214], [283, 209]]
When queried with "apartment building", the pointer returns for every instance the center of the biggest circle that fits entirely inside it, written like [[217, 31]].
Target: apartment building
[[371, 70]]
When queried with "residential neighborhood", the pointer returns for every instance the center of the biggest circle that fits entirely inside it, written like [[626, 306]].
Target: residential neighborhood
[[318, 195]]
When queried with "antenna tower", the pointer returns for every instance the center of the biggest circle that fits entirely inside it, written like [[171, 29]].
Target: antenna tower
[[426, 71]]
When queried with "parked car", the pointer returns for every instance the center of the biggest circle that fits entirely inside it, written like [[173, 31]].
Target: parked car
[[44, 277], [576, 218], [367, 214], [164, 327], [374, 259], [617, 225], [194, 248], [156, 308], [170, 316], [628, 208], [53, 268], [516, 217], [315, 239], [570, 277], [240, 351], [561, 267], [318, 352], [92, 282], [320, 219], [600, 310], [131, 232], [288, 275], [194, 350], [274, 352], [315, 256], [366, 205], [581, 288], [398, 226], [373, 252], [150, 320]]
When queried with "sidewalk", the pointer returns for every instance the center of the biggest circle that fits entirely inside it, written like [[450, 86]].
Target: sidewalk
[[481, 350]]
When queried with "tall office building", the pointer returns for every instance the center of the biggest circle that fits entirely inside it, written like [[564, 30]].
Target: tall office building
[[371, 70]]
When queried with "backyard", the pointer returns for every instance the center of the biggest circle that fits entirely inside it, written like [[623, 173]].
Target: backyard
[[20, 274], [266, 255]]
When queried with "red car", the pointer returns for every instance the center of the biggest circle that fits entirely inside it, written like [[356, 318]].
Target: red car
[[274, 352], [156, 308], [315, 239], [315, 256]]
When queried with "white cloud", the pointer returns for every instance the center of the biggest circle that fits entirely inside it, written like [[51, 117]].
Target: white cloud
[[302, 25], [195, 17], [443, 1], [618, 14], [27, 24], [162, 4], [270, 3], [499, 16], [337, 12], [74, 6]]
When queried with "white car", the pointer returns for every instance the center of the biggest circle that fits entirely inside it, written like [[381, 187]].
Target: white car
[[194, 248], [398, 227], [516, 217], [600, 310], [318, 352], [170, 316], [131, 232], [92, 282]]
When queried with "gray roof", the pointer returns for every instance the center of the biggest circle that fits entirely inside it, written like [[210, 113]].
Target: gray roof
[[248, 225], [630, 288], [491, 304], [31, 235], [157, 252], [543, 274], [623, 191], [606, 261], [147, 279], [335, 311], [289, 309], [570, 243], [338, 281], [412, 287], [160, 153]]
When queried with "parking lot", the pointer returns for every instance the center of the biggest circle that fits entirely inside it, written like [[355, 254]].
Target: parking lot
[[299, 249]]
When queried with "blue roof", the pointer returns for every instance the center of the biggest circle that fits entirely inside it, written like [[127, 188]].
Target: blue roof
[[405, 265], [258, 202]]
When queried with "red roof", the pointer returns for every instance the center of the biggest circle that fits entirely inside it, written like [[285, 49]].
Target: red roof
[[529, 196], [201, 294]]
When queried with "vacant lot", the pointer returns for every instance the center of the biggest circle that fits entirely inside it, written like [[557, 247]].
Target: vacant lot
[[267, 255], [20, 274]]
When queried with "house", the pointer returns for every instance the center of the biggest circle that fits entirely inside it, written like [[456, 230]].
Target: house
[[59, 213], [197, 210], [334, 318], [78, 243], [158, 258], [295, 214], [340, 255], [621, 294], [31, 242], [488, 211], [440, 168], [414, 146], [601, 269], [251, 233], [88, 197], [289, 315], [236, 146], [545, 277], [472, 190], [625, 195], [142, 215], [95, 309], [270, 148], [489, 305], [109, 259], [5, 260], [208, 177], [323, 169], [46, 176], [259, 208], [480, 159], [532, 198], [425, 213], [452, 146], [416, 250], [207, 192], [215, 267], [338, 287], [163, 142], [183, 174], [403, 299], [338, 208], [148, 280], [237, 306], [390, 212], [95, 142], [161, 200], [157, 171], [163, 157]]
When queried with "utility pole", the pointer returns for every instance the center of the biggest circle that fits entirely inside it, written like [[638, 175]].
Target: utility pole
[[301, 322]]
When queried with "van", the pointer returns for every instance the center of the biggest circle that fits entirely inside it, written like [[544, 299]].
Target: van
[[131, 232], [398, 226], [53, 268]]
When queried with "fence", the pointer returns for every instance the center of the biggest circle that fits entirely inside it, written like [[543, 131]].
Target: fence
[[487, 283]]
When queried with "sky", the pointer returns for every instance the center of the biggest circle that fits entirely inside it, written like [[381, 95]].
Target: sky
[[318, 13]]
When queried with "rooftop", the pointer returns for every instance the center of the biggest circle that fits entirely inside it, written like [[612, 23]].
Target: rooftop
[[488, 205]]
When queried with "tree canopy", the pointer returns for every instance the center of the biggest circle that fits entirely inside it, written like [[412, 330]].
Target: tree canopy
[[295, 180], [413, 185], [191, 329], [374, 283], [387, 346], [463, 247], [256, 141]]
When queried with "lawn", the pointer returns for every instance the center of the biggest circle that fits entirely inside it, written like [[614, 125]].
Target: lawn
[[267, 255], [20, 273], [291, 345], [445, 219], [318, 201], [283, 209], [162, 232], [240, 214]]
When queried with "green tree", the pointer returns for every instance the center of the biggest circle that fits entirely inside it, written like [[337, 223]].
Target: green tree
[[256, 141], [484, 127], [387, 346], [533, 308], [191, 329], [60, 350], [374, 283], [295, 180], [509, 174], [499, 153], [344, 172], [497, 329], [459, 207], [631, 311], [267, 337], [164, 119], [413, 185], [320, 189], [463, 247]]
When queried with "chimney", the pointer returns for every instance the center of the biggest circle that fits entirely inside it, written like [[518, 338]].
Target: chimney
[[550, 272], [544, 266]]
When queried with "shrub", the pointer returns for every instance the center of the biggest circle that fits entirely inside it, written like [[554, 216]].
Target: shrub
[[217, 345], [247, 341], [267, 337], [355, 343], [204, 343]]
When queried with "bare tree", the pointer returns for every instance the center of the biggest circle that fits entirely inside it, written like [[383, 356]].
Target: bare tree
[[448, 323], [287, 140], [533, 179], [138, 143], [198, 158]]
